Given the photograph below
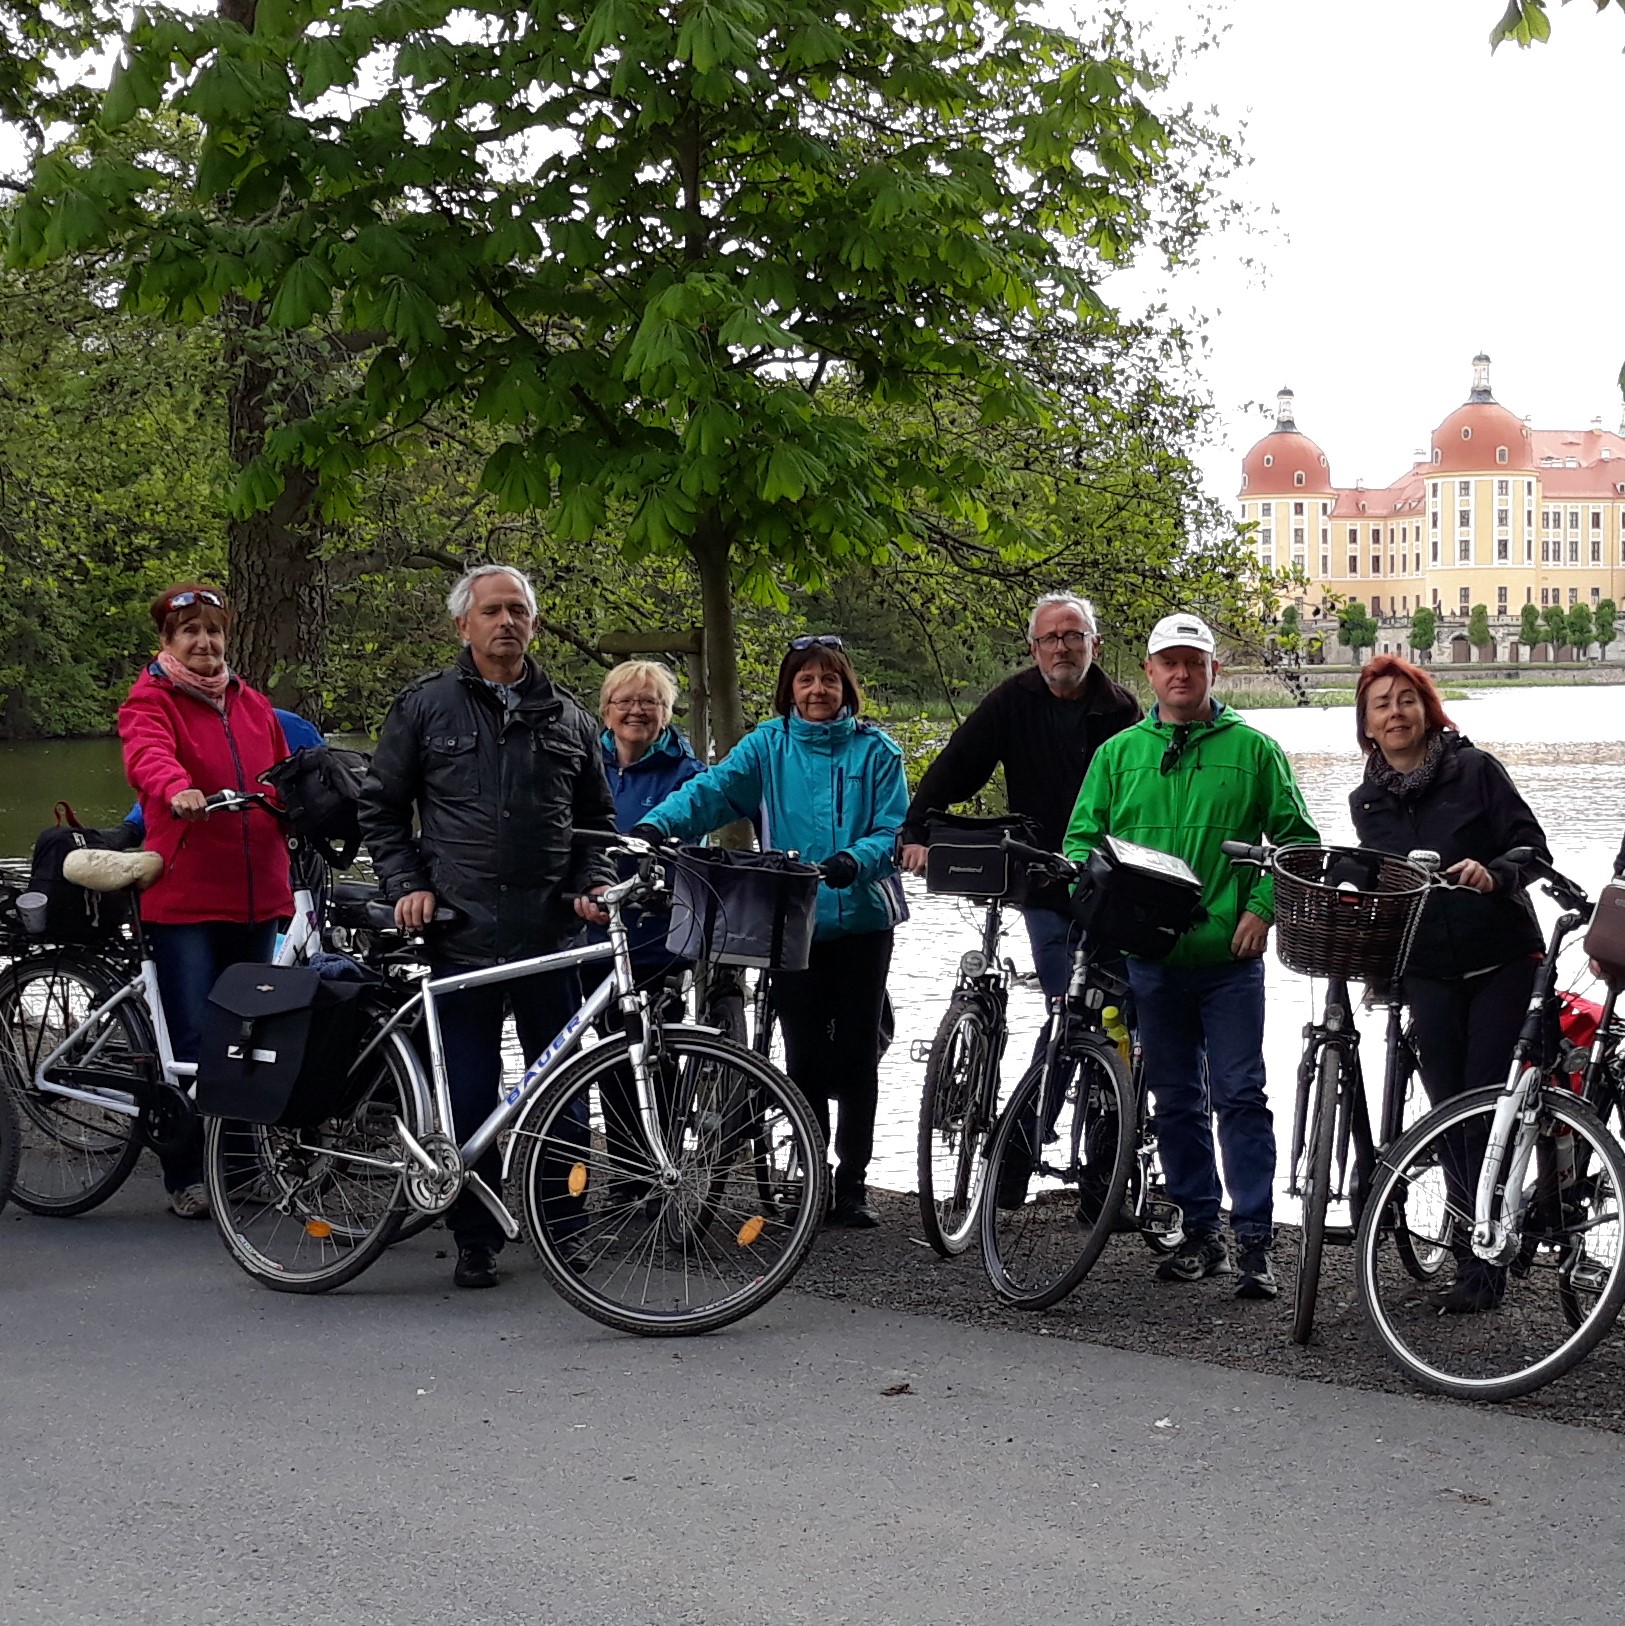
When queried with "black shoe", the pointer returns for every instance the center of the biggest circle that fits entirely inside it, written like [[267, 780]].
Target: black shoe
[[1478, 1287], [853, 1211], [476, 1267], [1256, 1278], [1197, 1256]]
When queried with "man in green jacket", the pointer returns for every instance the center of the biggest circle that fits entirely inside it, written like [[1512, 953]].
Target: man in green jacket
[[1185, 779]]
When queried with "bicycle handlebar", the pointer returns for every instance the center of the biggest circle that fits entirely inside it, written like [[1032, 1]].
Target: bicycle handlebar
[[1063, 869]]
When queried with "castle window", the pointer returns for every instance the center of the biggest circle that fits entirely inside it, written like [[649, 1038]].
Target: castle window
[[1466, 433], [1297, 478], [1269, 460], [1500, 454]]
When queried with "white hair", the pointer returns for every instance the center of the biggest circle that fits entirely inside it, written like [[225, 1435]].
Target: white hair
[[1081, 605], [460, 600]]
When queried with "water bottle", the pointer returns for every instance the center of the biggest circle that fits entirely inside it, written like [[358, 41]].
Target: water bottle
[[1117, 1031]]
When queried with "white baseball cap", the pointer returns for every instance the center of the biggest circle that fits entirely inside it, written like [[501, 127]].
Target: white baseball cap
[[1181, 631]]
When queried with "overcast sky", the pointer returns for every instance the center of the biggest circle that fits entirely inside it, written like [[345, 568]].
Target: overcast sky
[[1431, 200]]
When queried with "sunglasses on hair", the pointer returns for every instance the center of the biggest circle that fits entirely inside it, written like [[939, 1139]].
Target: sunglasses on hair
[[180, 601], [818, 640]]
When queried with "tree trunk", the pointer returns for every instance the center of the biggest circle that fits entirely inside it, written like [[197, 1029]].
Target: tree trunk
[[277, 582], [711, 549]]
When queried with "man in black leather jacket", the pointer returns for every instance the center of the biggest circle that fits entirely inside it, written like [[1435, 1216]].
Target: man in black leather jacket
[[499, 766]]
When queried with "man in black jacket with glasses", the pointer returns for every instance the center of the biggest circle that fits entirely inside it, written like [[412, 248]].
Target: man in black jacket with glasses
[[1044, 726]]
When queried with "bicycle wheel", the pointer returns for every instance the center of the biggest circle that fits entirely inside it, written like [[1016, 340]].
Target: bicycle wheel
[[956, 1107], [1315, 1184], [10, 1142], [305, 1210], [1058, 1166], [72, 1155], [699, 1248], [1426, 1182]]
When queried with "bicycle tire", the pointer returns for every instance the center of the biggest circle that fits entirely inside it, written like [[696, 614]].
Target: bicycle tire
[[10, 1141], [294, 1212], [956, 1112], [1422, 1266], [1037, 1246], [1316, 1190], [1476, 1357], [71, 1156], [632, 1252]]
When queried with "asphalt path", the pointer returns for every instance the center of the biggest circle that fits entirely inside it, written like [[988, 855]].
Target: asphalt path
[[181, 1446]]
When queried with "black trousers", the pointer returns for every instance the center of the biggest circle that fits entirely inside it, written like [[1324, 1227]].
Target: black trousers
[[830, 1014], [1465, 1030]]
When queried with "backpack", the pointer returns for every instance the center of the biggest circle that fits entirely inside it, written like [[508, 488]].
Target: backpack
[[72, 914], [319, 787]]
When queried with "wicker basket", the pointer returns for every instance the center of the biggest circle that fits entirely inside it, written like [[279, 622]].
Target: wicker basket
[[1326, 927]]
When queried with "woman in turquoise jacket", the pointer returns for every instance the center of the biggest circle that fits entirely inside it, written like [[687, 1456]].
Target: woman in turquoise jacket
[[823, 784]]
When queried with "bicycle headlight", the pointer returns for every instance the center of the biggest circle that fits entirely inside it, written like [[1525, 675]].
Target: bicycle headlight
[[972, 964]]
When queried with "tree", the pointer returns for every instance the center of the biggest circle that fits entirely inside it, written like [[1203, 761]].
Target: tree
[[1478, 628], [668, 250], [1556, 625], [1603, 621], [1356, 627], [1529, 633], [1528, 22], [1424, 629], [1580, 629]]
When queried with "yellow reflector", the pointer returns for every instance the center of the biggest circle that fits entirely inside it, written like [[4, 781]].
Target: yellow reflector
[[319, 1229], [750, 1230], [578, 1179]]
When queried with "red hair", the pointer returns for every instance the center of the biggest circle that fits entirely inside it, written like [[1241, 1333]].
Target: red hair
[[1391, 666]]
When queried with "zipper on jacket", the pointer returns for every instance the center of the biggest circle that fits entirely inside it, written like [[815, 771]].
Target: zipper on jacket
[[840, 794], [247, 813]]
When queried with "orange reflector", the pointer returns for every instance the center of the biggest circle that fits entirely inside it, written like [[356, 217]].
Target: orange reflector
[[578, 1179], [750, 1230], [319, 1229]]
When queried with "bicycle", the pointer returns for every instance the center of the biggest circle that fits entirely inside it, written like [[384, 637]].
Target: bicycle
[[1525, 1177], [1047, 1215], [644, 1158], [84, 1047], [1344, 914]]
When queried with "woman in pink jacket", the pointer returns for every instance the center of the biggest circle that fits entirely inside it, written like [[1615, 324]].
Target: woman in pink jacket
[[191, 727]]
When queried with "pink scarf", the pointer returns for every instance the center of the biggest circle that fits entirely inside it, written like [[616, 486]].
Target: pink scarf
[[213, 689]]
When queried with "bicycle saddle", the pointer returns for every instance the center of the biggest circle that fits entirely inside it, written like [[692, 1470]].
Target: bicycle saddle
[[98, 870]]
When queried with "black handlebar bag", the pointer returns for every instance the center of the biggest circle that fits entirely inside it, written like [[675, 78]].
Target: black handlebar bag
[[965, 859], [1136, 900], [319, 786], [739, 908], [279, 1043]]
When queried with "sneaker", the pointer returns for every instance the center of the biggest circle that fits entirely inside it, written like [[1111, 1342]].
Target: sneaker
[[853, 1211], [476, 1267], [190, 1202], [1196, 1257], [1256, 1277]]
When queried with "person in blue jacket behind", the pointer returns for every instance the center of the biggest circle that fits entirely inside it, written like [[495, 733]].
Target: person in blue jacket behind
[[823, 784], [645, 760]]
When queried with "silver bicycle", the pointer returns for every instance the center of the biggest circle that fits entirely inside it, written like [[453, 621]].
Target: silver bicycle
[[670, 1180]]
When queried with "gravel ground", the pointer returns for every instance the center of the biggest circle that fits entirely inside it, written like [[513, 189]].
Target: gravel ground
[[1122, 1305]]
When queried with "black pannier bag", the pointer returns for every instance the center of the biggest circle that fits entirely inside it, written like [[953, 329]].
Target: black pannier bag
[[964, 858], [279, 1042], [741, 908], [1136, 900], [73, 914], [320, 788]]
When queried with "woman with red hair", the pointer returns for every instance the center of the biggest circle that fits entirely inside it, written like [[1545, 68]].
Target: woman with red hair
[[1472, 962]]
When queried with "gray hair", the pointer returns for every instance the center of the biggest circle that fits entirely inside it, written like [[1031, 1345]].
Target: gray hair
[[658, 677], [1081, 605], [460, 600]]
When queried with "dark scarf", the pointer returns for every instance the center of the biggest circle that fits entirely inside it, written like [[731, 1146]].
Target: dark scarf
[[1378, 772]]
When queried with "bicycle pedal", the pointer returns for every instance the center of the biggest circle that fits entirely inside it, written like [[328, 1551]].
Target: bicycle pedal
[[1162, 1217], [1341, 1236], [919, 1051]]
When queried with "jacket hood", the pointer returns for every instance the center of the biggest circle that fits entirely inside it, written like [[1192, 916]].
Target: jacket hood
[[669, 747], [830, 736], [1223, 717]]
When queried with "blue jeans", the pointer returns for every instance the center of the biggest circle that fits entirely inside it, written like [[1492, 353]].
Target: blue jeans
[[188, 959], [1055, 940], [471, 1031], [1188, 1014]]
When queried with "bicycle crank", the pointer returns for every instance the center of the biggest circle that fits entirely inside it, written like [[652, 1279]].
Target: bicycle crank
[[434, 1190]]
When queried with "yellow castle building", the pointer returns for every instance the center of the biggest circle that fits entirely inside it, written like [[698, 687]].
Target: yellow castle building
[[1495, 513]]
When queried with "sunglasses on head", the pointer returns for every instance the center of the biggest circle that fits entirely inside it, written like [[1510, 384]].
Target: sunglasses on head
[[818, 640], [181, 601]]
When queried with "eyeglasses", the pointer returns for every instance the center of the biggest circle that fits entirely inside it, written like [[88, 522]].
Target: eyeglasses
[[1176, 746], [1058, 640], [636, 703], [818, 640], [179, 601]]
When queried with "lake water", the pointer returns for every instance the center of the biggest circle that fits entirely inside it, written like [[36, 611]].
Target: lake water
[[1564, 747]]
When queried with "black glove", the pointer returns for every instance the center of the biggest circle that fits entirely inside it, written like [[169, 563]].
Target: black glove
[[647, 832], [839, 871]]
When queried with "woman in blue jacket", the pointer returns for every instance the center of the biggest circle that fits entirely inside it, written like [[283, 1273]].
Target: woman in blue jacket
[[823, 784]]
